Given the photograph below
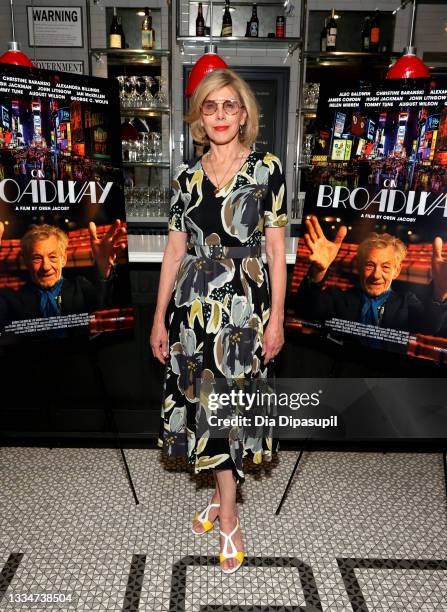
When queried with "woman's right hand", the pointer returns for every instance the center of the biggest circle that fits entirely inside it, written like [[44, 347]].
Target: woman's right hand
[[159, 341]]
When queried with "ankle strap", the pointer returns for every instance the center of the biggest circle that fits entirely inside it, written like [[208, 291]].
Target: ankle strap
[[203, 516]]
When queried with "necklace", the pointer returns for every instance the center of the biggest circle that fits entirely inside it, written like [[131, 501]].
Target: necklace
[[219, 186]]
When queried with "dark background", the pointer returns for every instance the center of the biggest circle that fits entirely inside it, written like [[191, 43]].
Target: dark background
[[271, 88], [53, 394]]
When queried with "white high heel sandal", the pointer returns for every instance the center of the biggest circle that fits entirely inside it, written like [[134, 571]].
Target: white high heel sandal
[[204, 520], [233, 554]]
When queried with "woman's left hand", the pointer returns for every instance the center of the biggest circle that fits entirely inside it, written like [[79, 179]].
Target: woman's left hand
[[273, 340]]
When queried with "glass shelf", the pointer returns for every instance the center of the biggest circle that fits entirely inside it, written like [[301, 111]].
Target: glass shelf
[[131, 52], [134, 56], [141, 220], [347, 56], [226, 40], [129, 164], [289, 43], [150, 111], [308, 111]]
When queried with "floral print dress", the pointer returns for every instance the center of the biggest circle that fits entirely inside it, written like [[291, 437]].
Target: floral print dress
[[220, 306]]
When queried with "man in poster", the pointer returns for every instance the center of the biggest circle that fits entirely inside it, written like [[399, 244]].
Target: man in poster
[[48, 293], [372, 301]]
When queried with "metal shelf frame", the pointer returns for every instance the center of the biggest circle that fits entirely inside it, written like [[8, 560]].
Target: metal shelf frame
[[141, 56]]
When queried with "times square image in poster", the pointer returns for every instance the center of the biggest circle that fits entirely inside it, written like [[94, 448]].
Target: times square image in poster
[[63, 239], [371, 265]]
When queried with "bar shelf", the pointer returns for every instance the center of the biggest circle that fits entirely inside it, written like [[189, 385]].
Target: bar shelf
[[143, 111], [130, 164]]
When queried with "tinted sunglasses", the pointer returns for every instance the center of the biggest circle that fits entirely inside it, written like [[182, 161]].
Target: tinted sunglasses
[[231, 107]]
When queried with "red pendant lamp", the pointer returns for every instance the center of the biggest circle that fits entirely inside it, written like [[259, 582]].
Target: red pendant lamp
[[14, 55], [409, 65], [209, 62]]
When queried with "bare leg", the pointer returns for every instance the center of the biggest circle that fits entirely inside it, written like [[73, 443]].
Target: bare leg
[[197, 525], [228, 512]]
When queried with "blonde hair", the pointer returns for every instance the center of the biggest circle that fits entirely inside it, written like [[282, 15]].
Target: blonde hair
[[223, 77], [381, 241], [42, 232]]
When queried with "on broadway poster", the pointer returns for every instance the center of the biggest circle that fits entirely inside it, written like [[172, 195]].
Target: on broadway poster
[[372, 264], [63, 241]]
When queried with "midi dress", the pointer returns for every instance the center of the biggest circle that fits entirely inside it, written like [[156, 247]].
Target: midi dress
[[219, 308]]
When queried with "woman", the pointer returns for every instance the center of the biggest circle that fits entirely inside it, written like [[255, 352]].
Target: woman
[[225, 313]]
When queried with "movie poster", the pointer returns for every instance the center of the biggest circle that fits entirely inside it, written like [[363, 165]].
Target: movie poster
[[371, 266], [63, 241]]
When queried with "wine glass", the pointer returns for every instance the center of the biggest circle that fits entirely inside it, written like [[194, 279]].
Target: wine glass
[[149, 100], [160, 96], [133, 99], [120, 80], [156, 146], [129, 86], [146, 147], [140, 90]]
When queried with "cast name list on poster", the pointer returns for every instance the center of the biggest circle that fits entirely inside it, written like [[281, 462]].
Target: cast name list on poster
[[25, 326], [385, 99], [43, 89]]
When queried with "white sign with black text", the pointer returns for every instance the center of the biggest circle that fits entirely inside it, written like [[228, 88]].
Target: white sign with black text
[[73, 66], [55, 26]]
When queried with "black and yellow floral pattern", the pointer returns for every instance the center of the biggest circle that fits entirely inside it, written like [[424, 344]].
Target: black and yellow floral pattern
[[220, 306]]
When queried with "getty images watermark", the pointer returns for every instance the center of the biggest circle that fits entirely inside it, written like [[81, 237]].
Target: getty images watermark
[[324, 408], [267, 408]]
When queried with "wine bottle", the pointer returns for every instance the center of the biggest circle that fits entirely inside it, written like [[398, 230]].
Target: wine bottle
[[366, 34], [227, 22], [121, 33], [254, 22], [375, 32], [323, 37], [331, 33], [114, 33], [147, 31], [200, 22]]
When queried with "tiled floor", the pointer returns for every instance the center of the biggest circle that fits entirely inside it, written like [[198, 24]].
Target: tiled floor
[[358, 531]]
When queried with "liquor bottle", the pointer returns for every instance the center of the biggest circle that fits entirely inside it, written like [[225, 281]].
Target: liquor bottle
[[254, 22], [227, 22], [366, 34], [121, 33], [147, 31], [200, 22], [323, 37], [280, 30], [114, 33], [374, 40], [331, 33]]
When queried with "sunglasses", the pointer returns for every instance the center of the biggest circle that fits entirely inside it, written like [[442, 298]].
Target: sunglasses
[[231, 107]]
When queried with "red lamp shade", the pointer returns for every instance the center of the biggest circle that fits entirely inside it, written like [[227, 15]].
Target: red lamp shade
[[409, 66], [206, 64], [14, 56], [17, 58]]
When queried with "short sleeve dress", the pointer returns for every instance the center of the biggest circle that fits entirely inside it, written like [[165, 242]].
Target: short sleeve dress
[[220, 306]]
